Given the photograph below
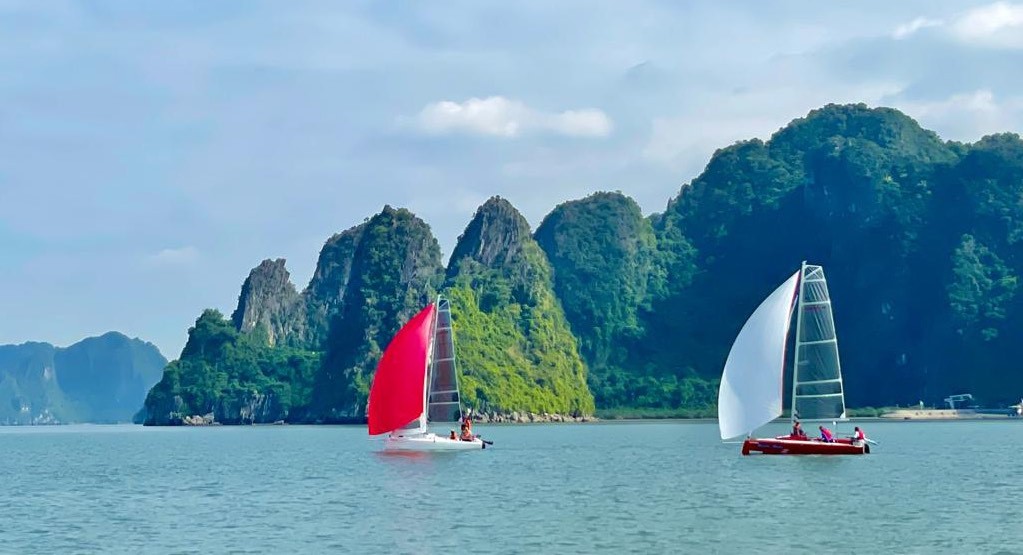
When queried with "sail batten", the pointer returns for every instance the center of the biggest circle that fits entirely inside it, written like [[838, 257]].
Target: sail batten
[[750, 394]]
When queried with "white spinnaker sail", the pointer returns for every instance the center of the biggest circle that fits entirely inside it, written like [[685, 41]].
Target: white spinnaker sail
[[751, 384], [817, 375]]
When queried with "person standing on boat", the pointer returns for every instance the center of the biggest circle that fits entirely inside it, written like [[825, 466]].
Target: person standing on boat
[[826, 436], [797, 431]]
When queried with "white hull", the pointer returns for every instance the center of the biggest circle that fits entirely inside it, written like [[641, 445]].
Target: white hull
[[430, 442]]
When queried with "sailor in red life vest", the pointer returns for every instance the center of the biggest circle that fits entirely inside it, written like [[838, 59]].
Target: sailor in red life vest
[[858, 434], [826, 436]]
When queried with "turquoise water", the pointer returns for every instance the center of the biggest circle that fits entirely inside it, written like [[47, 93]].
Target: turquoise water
[[952, 487]]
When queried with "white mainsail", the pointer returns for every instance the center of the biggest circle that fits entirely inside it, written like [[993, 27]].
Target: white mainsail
[[751, 385], [817, 374]]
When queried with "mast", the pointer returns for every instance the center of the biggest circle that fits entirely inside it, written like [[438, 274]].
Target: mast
[[799, 331]]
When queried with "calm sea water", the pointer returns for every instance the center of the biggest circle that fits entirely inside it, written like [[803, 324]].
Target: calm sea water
[[950, 487]]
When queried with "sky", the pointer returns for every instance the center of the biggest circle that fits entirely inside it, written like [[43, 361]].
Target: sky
[[152, 153]]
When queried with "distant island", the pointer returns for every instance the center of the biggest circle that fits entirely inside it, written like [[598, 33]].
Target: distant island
[[98, 380], [604, 310]]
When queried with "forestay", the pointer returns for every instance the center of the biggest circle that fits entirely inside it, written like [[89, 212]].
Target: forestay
[[751, 384], [817, 376]]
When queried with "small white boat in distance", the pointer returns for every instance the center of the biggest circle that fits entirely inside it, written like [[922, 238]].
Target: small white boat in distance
[[416, 383]]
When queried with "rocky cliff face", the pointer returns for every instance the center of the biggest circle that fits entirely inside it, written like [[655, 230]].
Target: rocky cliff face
[[269, 302], [99, 379], [495, 238], [514, 346], [326, 291], [394, 273]]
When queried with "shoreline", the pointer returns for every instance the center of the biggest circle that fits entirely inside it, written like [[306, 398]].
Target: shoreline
[[897, 415]]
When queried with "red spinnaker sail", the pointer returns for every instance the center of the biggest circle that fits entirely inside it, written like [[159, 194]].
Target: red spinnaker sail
[[396, 396]]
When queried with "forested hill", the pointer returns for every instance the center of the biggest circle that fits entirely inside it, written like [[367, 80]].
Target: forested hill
[[920, 239]]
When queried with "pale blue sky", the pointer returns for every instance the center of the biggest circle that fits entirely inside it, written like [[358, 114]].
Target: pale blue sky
[[151, 153]]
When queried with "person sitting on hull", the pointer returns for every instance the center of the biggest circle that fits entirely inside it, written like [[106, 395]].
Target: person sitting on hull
[[466, 433], [797, 431], [826, 435], [858, 434], [452, 436]]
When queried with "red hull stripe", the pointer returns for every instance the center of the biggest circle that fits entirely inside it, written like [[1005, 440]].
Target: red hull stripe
[[776, 446]]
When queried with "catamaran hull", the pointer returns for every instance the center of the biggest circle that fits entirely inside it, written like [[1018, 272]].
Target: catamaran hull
[[785, 446], [431, 442]]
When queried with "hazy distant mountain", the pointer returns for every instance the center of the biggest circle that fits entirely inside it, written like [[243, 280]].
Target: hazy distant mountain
[[98, 379]]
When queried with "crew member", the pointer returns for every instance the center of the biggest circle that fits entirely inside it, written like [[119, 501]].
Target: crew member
[[826, 435], [858, 434], [797, 430]]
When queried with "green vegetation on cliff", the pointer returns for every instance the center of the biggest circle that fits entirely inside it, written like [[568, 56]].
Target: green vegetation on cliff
[[395, 272], [920, 240], [516, 351], [603, 251], [237, 377], [886, 208]]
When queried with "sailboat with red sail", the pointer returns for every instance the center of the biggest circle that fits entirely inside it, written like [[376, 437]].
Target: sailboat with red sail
[[416, 384], [751, 384]]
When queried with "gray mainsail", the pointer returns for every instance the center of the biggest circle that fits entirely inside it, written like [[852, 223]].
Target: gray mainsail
[[817, 392], [443, 402]]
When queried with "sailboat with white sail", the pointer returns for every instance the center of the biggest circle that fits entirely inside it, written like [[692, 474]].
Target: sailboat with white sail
[[751, 388], [416, 384]]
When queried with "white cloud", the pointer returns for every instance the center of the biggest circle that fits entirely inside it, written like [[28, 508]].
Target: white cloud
[[907, 29], [174, 257], [502, 117], [998, 25], [977, 102], [966, 116], [685, 144]]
